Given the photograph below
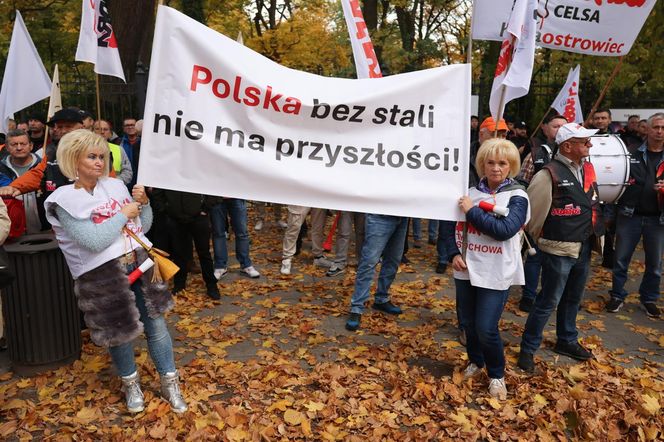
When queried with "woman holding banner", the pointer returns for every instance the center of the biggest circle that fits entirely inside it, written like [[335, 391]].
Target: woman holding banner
[[486, 256], [89, 218]]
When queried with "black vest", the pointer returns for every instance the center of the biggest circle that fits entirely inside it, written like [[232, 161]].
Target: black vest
[[51, 180], [574, 214], [541, 156]]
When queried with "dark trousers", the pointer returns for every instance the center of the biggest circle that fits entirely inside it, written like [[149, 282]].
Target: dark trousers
[[182, 235]]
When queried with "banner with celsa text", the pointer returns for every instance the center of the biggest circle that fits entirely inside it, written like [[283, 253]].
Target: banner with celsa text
[[592, 27], [221, 119]]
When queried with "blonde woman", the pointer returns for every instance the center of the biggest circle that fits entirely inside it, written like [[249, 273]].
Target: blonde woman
[[492, 261], [88, 218]]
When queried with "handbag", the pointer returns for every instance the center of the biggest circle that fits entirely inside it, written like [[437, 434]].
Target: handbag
[[7, 275], [164, 269]]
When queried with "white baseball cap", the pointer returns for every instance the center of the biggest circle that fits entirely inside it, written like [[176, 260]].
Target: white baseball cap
[[573, 130]]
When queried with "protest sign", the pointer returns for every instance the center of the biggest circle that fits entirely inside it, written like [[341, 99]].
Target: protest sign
[[593, 27], [221, 119]]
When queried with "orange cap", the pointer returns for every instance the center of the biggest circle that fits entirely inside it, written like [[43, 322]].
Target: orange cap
[[488, 123]]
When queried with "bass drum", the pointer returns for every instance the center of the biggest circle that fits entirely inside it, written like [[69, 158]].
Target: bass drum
[[610, 158]]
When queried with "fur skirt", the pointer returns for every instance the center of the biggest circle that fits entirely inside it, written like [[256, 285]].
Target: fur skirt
[[109, 304]]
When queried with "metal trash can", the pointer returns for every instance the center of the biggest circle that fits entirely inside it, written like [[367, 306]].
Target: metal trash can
[[42, 320]]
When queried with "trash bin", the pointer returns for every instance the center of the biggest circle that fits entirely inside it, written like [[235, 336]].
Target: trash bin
[[42, 320]]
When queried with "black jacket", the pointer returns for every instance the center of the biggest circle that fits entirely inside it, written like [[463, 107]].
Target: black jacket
[[183, 207], [629, 200]]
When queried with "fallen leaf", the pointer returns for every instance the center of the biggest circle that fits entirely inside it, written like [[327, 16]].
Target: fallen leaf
[[576, 372], [421, 420], [293, 417], [650, 404], [158, 431]]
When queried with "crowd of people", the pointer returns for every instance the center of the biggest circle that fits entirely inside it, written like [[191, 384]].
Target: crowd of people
[[526, 193]]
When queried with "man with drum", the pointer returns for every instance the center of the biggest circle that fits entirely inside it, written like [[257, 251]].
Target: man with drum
[[641, 214], [602, 122], [564, 217]]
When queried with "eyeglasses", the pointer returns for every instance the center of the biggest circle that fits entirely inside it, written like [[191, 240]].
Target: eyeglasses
[[583, 142], [19, 144]]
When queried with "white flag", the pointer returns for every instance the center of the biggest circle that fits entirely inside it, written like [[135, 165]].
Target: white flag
[[96, 42], [366, 62], [568, 103], [25, 81], [55, 103], [512, 80]]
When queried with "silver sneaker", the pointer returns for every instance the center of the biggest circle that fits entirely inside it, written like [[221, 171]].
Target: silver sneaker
[[170, 390], [498, 389], [471, 370], [133, 394]]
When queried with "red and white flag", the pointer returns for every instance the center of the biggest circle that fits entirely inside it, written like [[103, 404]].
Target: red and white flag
[[568, 103], [25, 80], [517, 55], [366, 62], [96, 42]]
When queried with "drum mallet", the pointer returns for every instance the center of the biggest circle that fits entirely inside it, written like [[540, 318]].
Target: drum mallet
[[532, 251]]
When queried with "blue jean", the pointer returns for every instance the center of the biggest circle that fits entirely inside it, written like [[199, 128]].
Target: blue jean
[[160, 345], [480, 310], [384, 236], [237, 210], [433, 229], [443, 253], [563, 283], [532, 269], [417, 228], [629, 231]]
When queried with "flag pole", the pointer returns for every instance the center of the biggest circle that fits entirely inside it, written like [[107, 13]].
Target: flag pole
[[604, 91], [469, 49], [539, 125], [98, 97]]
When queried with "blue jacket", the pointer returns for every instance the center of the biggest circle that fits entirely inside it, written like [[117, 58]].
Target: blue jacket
[[498, 228]]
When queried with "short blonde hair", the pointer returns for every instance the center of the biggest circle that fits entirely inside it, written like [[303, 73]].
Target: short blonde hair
[[74, 145], [498, 148]]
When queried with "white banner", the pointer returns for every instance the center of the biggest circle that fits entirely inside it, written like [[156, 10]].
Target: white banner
[[366, 62], [25, 80], [568, 102], [593, 27], [221, 119], [96, 41]]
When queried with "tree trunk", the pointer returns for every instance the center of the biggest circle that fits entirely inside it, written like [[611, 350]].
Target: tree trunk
[[133, 24]]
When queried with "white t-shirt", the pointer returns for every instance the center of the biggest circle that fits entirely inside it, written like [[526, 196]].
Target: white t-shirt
[[491, 264], [108, 197]]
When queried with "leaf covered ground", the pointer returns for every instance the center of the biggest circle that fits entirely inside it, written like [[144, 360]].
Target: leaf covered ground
[[272, 361]]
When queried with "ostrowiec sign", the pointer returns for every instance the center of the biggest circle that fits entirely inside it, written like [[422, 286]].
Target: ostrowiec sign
[[593, 27], [221, 119]]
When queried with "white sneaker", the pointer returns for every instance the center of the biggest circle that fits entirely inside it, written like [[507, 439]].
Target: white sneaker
[[498, 389], [286, 267], [219, 273], [471, 371], [322, 261], [282, 224], [259, 225], [250, 272]]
